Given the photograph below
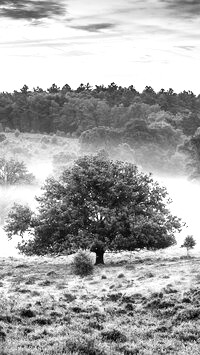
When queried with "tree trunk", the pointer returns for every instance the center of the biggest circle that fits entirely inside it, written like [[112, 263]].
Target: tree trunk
[[99, 257], [99, 249]]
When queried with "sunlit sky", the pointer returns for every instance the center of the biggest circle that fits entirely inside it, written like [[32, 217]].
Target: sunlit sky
[[139, 42]]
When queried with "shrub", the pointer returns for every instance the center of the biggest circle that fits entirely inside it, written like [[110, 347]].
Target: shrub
[[121, 275], [44, 140], [2, 137], [69, 297], [82, 264], [103, 276], [17, 133], [28, 313], [60, 133], [1, 127], [113, 335], [8, 129], [54, 139]]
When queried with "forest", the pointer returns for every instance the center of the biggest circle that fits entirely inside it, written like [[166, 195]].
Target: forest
[[160, 130]]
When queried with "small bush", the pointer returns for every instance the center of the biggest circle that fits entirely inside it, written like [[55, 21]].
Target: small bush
[[60, 133], [28, 313], [103, 277], [121, 275], [2, 137], [190, 313], [52, 273], [42, 320], [54, 139], [8, 129], [113, 335], [82, 264], [17, 133], [69, 297], [44, 140], [1, 127]]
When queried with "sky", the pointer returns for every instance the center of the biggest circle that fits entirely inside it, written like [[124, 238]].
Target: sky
[[129, 42]]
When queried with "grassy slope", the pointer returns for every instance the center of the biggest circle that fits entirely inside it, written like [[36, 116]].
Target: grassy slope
[[149, 305]]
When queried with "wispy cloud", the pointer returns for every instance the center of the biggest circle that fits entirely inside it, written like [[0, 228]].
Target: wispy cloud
[[183, 8], [32, 9], [94, 27], [186, 48]]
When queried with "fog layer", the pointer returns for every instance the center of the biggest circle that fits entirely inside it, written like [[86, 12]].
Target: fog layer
[[23, 195], [185, 196]]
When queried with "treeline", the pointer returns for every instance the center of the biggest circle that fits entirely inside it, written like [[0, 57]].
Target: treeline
[[77, 110], [161, 128]]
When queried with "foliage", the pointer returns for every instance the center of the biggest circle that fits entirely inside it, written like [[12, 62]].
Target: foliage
[[82, 264], [63, 158], [108, 115], [17, 133], [100, 137], [54, 139], [20, 220], [44, 140], [189, 243], [191, 148], [101, 200], [13, 172], [2, 137]]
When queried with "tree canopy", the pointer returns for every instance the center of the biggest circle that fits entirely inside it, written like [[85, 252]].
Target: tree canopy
[[154, 122], [98, 204], [13, 172]]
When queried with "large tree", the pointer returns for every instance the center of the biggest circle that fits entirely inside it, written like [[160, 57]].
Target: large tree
[[97, 204]]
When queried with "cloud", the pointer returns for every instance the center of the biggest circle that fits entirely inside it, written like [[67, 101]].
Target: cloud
[[32, 9], [186, 48], [94, 27], [183, 8]]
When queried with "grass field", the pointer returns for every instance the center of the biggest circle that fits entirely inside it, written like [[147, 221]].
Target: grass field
[[146, 304]]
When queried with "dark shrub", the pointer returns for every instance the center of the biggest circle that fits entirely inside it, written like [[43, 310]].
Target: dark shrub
[[113, 335], [82, 264], [69, 297], [42, 321], [28, 313], [2, 137], [17, 133]]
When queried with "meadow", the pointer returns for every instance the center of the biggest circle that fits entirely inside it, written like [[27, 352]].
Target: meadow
[[144, 303], [137, 303]]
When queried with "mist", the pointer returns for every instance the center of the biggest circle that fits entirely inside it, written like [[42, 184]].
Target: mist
[[22, 194], [184, 194]]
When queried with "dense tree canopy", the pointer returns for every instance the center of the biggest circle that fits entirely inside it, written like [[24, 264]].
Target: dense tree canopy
[[154, 122], [97, 204], [13, 172]]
